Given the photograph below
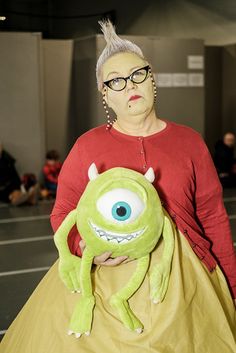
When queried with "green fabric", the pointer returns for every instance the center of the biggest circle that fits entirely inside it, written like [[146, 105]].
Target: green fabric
[[81, 320], [119, 212], [69, 265]]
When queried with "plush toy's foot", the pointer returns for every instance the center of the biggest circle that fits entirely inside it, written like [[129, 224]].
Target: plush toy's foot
[[159, 280], [126, 315], [77, 334], [81, 320]]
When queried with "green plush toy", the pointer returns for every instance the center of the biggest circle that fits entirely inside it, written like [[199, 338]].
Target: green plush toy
[[119, 212]]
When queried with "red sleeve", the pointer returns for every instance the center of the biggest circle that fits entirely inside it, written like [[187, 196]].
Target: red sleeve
[[71, 184], [212, 215]]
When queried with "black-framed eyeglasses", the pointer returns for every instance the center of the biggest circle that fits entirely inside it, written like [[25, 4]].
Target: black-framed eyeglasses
[[119, 83]]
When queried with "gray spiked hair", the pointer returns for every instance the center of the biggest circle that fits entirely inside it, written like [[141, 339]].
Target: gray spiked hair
[[114, 46]]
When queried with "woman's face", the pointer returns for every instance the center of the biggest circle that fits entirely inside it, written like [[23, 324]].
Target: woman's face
[[135, 99]]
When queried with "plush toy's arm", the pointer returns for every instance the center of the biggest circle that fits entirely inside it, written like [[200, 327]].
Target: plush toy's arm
[[159, 278], [136, 279], [82, 317], [69, 265]]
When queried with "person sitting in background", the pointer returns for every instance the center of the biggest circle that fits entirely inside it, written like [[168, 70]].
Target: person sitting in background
[[31, 185], [224, 160], [51, 170], [12, 189]]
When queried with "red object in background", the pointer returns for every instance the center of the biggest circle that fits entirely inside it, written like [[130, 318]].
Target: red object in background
[[51, 171]]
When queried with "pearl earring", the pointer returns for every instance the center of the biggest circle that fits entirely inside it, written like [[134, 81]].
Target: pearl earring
[[109, 122], [154, 86]]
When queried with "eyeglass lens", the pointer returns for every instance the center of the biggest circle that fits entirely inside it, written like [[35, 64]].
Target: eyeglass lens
[[119, 83]]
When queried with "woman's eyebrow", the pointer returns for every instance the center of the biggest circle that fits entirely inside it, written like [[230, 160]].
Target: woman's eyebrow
[[112, 73], [118, 74]]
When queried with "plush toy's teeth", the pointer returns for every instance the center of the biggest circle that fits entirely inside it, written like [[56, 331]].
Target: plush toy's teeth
[[115, 238], [120, 239], [124, 241]]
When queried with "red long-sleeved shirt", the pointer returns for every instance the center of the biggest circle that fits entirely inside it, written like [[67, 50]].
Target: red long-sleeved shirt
[[186, 181]]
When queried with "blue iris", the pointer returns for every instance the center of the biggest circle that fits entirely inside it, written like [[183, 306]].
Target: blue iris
[[121, 211]]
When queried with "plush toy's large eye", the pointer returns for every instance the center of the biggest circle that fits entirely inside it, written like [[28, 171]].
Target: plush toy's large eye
[[120, 205]]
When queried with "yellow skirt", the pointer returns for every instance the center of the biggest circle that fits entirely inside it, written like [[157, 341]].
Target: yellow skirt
[[196, 316]]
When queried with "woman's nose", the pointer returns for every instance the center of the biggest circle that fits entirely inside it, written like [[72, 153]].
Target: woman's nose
[[130, 84]]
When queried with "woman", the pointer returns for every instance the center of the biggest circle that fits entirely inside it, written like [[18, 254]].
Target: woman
[[198, 313]]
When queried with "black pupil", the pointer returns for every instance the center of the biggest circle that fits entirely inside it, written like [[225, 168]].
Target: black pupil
[[121, 211]]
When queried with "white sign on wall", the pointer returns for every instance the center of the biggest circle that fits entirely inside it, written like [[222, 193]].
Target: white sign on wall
[[163, 80], [180, 80], [196, 80], [195, 62]]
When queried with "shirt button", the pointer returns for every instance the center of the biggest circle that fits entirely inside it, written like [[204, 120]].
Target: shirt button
[[141, 152], [144, 166]]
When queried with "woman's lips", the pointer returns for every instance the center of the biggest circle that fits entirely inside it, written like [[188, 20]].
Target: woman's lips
[[132, 98]]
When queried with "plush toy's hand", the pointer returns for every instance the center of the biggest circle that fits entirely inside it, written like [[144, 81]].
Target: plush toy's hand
[[69, 269], [159, 280]]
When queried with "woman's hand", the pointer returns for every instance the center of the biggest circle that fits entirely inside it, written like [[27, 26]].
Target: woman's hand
[[104, 259]]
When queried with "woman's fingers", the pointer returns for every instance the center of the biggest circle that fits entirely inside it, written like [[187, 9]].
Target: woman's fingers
[[82, 245], [104, 259], [114, 262], [99, 260]]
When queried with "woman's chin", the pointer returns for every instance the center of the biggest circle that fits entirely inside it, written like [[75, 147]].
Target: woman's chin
[[139, 110]]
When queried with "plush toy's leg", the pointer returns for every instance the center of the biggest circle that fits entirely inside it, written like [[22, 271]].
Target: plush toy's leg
[[159, 278], [119, 300], [81, 320]]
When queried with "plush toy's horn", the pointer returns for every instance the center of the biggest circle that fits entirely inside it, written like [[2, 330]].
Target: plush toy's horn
[[150, 175], [92, 172]]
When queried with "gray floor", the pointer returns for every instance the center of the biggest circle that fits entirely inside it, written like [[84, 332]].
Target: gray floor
[[27, 251]]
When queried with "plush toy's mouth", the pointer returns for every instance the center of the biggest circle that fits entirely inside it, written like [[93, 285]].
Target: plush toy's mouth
[[115, 237]]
